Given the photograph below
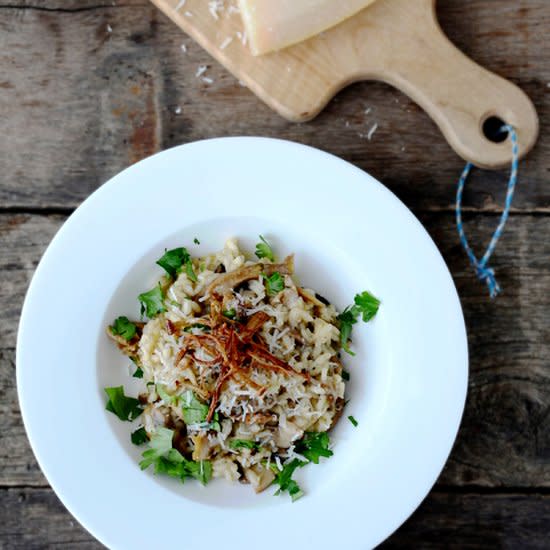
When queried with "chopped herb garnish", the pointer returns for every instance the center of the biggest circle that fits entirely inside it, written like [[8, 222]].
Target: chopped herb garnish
[[139, 437], [274, 283], [314, 445], [138, 373], [152, 302], [284, 479], [244, 444], [126, 408], [230, 313], [196, 241], [160, 444], [190, 272], [263, 250], [194, 412], [366, 306], [347, 320], [353, 421], [345, 375], [201, 470], [171, 462], [124, 327], [173, 260], [164, 395]]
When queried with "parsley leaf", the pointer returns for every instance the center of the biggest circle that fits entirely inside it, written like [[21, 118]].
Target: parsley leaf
[[152, 302], [189, 271], [172, 468], [244, 444], [196, 241], [347, 320], [172, 260], [284, 479], [230, 313], [314, 445], [366, 306], [201, 470], [139, 436], [274, 283], [124, 327], [353, 421], [159, 445], [194, 412], [126, 408], [164, 395], [263, 250], [171, 462]]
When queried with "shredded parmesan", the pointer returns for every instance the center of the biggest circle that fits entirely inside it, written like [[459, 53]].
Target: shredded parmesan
[[201, 70], [372, 131], [226, 42]]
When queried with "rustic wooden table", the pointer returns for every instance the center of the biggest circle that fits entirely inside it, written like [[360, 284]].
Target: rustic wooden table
[[88, 87]]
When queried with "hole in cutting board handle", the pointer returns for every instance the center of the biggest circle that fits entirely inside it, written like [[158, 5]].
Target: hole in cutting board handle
[[492, 129]]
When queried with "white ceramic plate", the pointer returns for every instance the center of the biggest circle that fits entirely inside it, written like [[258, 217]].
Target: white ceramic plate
[[349, 233]]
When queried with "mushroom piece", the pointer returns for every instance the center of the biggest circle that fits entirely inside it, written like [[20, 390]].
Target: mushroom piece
[[202, 447], [228, 281], [259, 477]]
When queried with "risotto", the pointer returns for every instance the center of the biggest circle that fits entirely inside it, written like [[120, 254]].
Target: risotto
[[241, 368]]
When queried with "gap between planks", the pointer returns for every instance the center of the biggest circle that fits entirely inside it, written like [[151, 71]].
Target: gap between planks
[[67, 211]]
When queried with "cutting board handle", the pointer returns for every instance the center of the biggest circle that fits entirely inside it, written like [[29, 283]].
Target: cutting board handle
[[459, 95]]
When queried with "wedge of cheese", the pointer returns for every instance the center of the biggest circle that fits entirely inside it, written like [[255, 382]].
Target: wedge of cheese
[[275, 24]]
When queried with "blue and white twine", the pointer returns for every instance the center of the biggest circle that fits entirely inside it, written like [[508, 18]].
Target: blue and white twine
[[483, 271]]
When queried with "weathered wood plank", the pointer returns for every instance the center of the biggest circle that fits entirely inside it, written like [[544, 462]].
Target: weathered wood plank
[[23, 239], [36, 519], [33, 519], [19, 467], [460, 521], [505, 435], [76, 111]]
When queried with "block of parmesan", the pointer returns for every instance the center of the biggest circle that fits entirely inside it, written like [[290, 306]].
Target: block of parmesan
[[275, 24]]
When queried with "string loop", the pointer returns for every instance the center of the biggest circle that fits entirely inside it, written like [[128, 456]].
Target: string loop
[[483, 271]]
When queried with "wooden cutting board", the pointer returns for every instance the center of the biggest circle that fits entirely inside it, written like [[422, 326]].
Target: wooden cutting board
[[395, 41]]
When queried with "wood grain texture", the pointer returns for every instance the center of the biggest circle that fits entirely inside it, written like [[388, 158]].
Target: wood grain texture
[[112, 99], [79, 103], [505, 436], [34, 519]]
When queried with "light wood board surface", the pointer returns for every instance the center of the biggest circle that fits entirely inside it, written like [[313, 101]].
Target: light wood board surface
[[396, 41]]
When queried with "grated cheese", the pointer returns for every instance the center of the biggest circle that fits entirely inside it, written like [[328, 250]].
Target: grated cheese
[[372, 131], [226, 42], [201, 70]]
